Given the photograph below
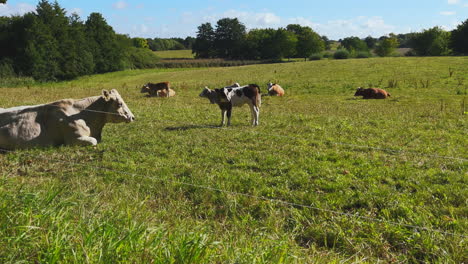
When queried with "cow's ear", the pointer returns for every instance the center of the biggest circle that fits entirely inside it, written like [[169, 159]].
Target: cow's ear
[[106, 95]]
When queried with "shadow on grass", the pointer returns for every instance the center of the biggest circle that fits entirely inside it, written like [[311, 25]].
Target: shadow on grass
[[187, 127]]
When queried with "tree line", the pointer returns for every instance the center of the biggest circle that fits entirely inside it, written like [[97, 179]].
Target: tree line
[[158, 44], [229, 39], [49, 45]]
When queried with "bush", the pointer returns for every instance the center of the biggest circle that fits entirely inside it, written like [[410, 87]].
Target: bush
[[363, 54], [6, 69], [140, 58], [327, 55], [16, 81], [341, 54], [315, 56], [410, 53]]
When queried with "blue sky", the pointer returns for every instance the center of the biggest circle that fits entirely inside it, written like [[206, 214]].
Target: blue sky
[[334, 19]]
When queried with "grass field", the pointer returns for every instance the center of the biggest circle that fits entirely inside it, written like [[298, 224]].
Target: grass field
[[325, 177], [175, 54]]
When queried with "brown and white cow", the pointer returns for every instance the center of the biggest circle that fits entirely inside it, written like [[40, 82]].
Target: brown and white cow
[[274, 89], [64, 122], [235, 95], [163, 93], [372, 93], [153, 88]]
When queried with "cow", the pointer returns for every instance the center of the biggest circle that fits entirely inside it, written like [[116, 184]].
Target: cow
[[274, 89], [163, 93], [235, 95], [153, 88], [372, 93], [63, 122]]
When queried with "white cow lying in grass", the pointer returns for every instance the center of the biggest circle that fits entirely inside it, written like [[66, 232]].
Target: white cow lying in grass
[[235, 95], [64, 122]]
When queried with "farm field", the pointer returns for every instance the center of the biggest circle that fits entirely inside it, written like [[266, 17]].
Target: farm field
[[175, 54], [325, 177]]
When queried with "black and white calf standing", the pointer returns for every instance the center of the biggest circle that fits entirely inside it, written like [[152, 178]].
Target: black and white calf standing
[[235, 95]]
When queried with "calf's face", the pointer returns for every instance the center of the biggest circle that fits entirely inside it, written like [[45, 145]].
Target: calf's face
[[145, 88], [359, 91], [269, 85], [208, 93]]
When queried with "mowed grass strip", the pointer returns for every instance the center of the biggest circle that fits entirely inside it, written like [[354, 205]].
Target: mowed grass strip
[[134, 198]]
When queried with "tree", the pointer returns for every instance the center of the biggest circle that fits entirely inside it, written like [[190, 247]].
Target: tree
[[370, 42], [431, 42], [42, 52], [404, 40], [308, 42], [79, 59], [103, 44], [188, 42], [3, 1], [387, 46], [229, 38], [354, 44], [287, 42], [327, 42], [204, 43], [43, 49], [459, 38], [140, 43]]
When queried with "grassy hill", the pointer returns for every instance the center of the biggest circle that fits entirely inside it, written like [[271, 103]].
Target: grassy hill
[[326, 177]]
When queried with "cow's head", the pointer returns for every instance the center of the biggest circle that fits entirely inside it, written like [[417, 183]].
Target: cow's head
[[117, 110], [145, 88], [359, 91], [269, 85], [210, 94]]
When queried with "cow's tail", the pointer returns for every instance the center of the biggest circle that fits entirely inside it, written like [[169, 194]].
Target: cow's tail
[[388, 94]]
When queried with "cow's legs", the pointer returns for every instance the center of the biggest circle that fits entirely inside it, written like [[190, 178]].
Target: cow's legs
[[229, 112], [254, 113], [223, 116], [84, 141], [78, 133]]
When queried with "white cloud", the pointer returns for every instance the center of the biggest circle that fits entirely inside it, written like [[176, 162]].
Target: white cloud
[[303, 22], [360, 27], [447, 13], [18, 9], [77, 11], [120, 5], [187, 23], [453, 2], [141, 29], [249, 19]]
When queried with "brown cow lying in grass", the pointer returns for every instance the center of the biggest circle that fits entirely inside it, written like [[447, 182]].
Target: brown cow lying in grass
[[153, 88], [234, 95], [372, 93], [274, 89]]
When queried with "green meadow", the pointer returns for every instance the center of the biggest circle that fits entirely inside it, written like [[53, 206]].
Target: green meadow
[[325, 178], [175, 54]]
